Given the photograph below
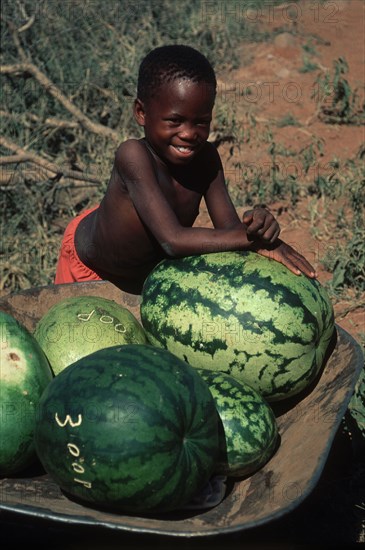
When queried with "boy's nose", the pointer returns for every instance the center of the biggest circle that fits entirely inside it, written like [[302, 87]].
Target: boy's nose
[[188, 132]]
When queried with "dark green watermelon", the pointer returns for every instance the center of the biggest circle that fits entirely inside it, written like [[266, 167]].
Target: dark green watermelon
[[243, 314], [77, 326], [249, 432], [24, 374], [130, 427]]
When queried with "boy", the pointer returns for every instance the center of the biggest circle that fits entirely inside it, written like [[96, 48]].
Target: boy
[[158, 182]]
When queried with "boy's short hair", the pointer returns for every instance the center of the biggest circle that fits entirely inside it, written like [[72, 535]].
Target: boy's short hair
[[168, 63]]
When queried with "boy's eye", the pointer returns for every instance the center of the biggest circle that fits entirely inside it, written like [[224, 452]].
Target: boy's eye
[[175, 122]]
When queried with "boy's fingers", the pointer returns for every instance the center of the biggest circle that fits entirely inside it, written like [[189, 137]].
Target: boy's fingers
[[257, 216], [289, 257], [307, 269], [301, 265], [270, 233], [299, 268], [258, 225], [262, 224], [272, 237], [247, 217]]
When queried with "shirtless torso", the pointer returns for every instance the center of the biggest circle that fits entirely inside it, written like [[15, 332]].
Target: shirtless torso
[[155, 190], [115, 242]]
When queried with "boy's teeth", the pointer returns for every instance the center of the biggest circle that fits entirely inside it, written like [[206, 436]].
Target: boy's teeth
[[183, 149]]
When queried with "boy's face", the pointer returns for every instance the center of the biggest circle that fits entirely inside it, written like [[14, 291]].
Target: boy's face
[[177, 119]]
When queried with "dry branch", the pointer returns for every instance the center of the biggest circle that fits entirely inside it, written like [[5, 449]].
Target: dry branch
[[27, 156], [52, 122], [12, 159], [27, 25], [31, 69], [10, 179]]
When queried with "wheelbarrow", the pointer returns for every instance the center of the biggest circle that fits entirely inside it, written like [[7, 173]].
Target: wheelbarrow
[[307, 427]]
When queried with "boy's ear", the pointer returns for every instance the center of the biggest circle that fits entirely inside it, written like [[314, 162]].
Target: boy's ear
[[139, 112]]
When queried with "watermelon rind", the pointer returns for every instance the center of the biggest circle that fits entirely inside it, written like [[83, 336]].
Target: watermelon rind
[[131, 427], [24, 374], [243, 314], [249, 431], [79, 325]]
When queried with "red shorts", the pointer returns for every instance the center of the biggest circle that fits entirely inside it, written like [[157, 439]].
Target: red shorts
[[70, 268]]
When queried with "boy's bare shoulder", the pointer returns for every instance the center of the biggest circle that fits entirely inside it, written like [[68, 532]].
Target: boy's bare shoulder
[[132, 154], [129, 146]]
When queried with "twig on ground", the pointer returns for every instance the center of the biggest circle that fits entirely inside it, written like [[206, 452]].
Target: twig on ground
[[22, 155]]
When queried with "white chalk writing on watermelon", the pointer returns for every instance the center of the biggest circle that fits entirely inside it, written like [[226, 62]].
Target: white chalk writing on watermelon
[[106, 319], [68, 420], [74, 450]]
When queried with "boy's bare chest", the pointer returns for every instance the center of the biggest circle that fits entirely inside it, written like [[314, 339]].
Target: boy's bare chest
[[184, 201]]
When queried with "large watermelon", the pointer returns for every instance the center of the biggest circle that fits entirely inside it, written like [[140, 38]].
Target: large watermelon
[[249, 432], [24, 374], [77, 326], [131, 427], [243, 314]]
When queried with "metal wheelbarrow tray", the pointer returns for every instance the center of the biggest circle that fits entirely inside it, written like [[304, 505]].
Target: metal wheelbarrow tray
[[307, 426]]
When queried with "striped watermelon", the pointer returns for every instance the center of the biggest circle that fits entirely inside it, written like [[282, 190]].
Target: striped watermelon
[[24, 374], [249, 432], [77, 326], [243, 314], [131, 427]]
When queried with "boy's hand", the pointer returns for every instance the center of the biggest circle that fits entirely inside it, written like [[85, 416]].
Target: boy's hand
[[288, 256], [261, 224]]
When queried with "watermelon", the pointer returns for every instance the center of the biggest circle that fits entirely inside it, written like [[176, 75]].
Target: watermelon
[[77, 326], [249, 432], [242, 314], [129, 427], [24, 374]]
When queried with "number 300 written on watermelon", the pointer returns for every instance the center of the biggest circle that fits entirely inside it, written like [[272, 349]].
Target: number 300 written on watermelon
[[73, 449], [106, 319]]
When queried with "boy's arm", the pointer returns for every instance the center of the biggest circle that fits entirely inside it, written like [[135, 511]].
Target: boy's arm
[[135, 168], [258, 223], [262, 223]]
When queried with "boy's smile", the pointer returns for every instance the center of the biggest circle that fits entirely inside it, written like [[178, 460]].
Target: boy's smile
[[177, 119]]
